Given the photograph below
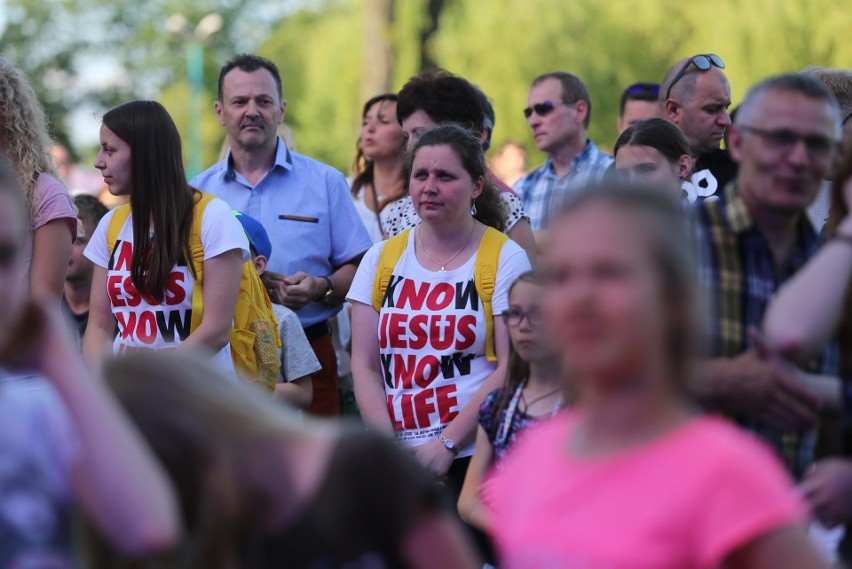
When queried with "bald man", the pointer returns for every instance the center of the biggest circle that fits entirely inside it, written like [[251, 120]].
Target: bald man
[[695, 96]]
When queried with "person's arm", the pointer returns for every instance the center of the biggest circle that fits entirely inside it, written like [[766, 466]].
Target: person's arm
[[51, 251], [522, 234], [462, 429], [97, 341], [828, 488], [439, 542], [295, 291], [222, 275], [754, 387], [784, 548], [299, 392], [115, 476], [471, 508], [804, 315], [366, 369]]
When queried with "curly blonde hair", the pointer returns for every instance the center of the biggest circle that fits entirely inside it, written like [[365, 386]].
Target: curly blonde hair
[[23, 128]]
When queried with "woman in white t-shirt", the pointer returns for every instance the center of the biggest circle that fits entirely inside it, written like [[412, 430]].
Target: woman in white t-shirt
[[144, 281], [419, 363], [379, 179]]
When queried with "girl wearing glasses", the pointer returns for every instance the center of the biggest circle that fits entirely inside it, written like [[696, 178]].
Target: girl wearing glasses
[[632, 476], [532, 391]]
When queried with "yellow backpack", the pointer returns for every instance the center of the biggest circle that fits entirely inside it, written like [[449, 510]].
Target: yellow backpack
[[484, 275], [255, 341]]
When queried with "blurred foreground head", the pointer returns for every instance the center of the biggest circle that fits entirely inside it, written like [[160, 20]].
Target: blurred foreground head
[[620, 287]]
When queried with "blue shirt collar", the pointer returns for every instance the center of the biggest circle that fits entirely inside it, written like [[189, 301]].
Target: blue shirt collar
[[583, 156], [283, 159]]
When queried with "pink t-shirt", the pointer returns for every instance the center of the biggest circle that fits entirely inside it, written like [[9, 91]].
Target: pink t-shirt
[[686, 500], [51, 200]]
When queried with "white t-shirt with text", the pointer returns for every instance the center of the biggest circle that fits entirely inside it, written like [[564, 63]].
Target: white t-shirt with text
[[143, 325], [432, 337]]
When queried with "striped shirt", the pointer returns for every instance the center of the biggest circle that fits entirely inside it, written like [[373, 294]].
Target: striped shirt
[[739, 277], [543, 192]]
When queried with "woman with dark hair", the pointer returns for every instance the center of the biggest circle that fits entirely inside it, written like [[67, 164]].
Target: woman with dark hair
[[653, 152], [144, 276], [633, 476], [531, 391], [419, 353], [25, 140], [260, 488], [379, 180]]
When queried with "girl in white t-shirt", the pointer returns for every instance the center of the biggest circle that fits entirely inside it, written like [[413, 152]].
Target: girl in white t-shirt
[[419, 363], [144, 282]]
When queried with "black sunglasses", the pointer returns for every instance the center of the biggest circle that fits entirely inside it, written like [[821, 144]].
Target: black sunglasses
[[702, 62], [846, 120], [542, 109]]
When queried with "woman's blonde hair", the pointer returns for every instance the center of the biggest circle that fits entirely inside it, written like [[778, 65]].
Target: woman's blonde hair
[[23, 127]]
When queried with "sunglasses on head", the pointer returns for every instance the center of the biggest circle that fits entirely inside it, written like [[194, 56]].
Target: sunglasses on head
[[643, 89], [702, 62], [542, 109]]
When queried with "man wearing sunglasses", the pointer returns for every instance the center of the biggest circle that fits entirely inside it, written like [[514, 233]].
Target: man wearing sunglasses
[[695, 95], [558, 113], [638, 102], [751, 241]]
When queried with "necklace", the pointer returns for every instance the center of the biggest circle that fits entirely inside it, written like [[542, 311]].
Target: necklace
[[457, 253], [505, 428]]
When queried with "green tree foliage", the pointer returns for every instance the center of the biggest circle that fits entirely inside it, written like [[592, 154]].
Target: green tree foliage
[[501, 45]]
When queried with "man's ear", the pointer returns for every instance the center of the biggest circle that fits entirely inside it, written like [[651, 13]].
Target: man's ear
[[260, 263], [582, 111], [671, 111], [217, 106], [735, 143]]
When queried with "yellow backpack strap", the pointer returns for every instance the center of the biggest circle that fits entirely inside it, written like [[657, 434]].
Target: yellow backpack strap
[[391, 252], [485, 278], [197, 249], [115, 224]]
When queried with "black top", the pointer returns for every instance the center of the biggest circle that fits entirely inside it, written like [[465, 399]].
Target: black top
[[712, 172], [372, 494]]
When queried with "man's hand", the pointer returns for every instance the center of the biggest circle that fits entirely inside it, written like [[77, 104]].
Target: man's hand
[[768, 391], [828, 487], [293, 291]]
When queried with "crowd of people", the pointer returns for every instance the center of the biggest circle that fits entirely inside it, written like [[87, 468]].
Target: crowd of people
[[629, 361]]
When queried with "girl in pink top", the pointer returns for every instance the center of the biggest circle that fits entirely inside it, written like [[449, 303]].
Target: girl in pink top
[[634, 478]]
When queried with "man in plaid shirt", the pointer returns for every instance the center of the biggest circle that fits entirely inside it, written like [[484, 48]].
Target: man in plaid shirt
[[751, 241], [558, 112]]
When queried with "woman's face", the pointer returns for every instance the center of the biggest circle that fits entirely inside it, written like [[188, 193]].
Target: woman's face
[[381, 135], [441, 189], [524, 321], [602, 300], [113, 161], [647, 165]]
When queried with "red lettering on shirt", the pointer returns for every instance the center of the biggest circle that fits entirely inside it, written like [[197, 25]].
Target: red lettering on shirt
[[442, 332], [175, 292], [417, 329], [411, 296], [447, 402], [467, 330], [124, 256], [441, 296], [146, 327], [424, 406]]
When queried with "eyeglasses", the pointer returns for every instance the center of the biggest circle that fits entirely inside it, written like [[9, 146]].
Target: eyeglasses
[[846, 120], [784, 141], [514, 317], [702, 62], [542, 109], [643, 89]]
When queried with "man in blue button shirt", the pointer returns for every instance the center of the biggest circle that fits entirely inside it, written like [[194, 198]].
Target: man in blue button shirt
[[304, 206]]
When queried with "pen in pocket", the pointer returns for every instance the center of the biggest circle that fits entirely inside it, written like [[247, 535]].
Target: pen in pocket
[[299, 218]]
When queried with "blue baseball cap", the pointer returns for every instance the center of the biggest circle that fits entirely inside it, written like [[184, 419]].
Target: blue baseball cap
[[257, 236]]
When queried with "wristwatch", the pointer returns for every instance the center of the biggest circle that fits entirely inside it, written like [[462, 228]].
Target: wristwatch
[[449, 445], [327, 296]]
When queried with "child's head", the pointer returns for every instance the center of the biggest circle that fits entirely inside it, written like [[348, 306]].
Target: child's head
[[13, 231], [523, 318], [261, 247]]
